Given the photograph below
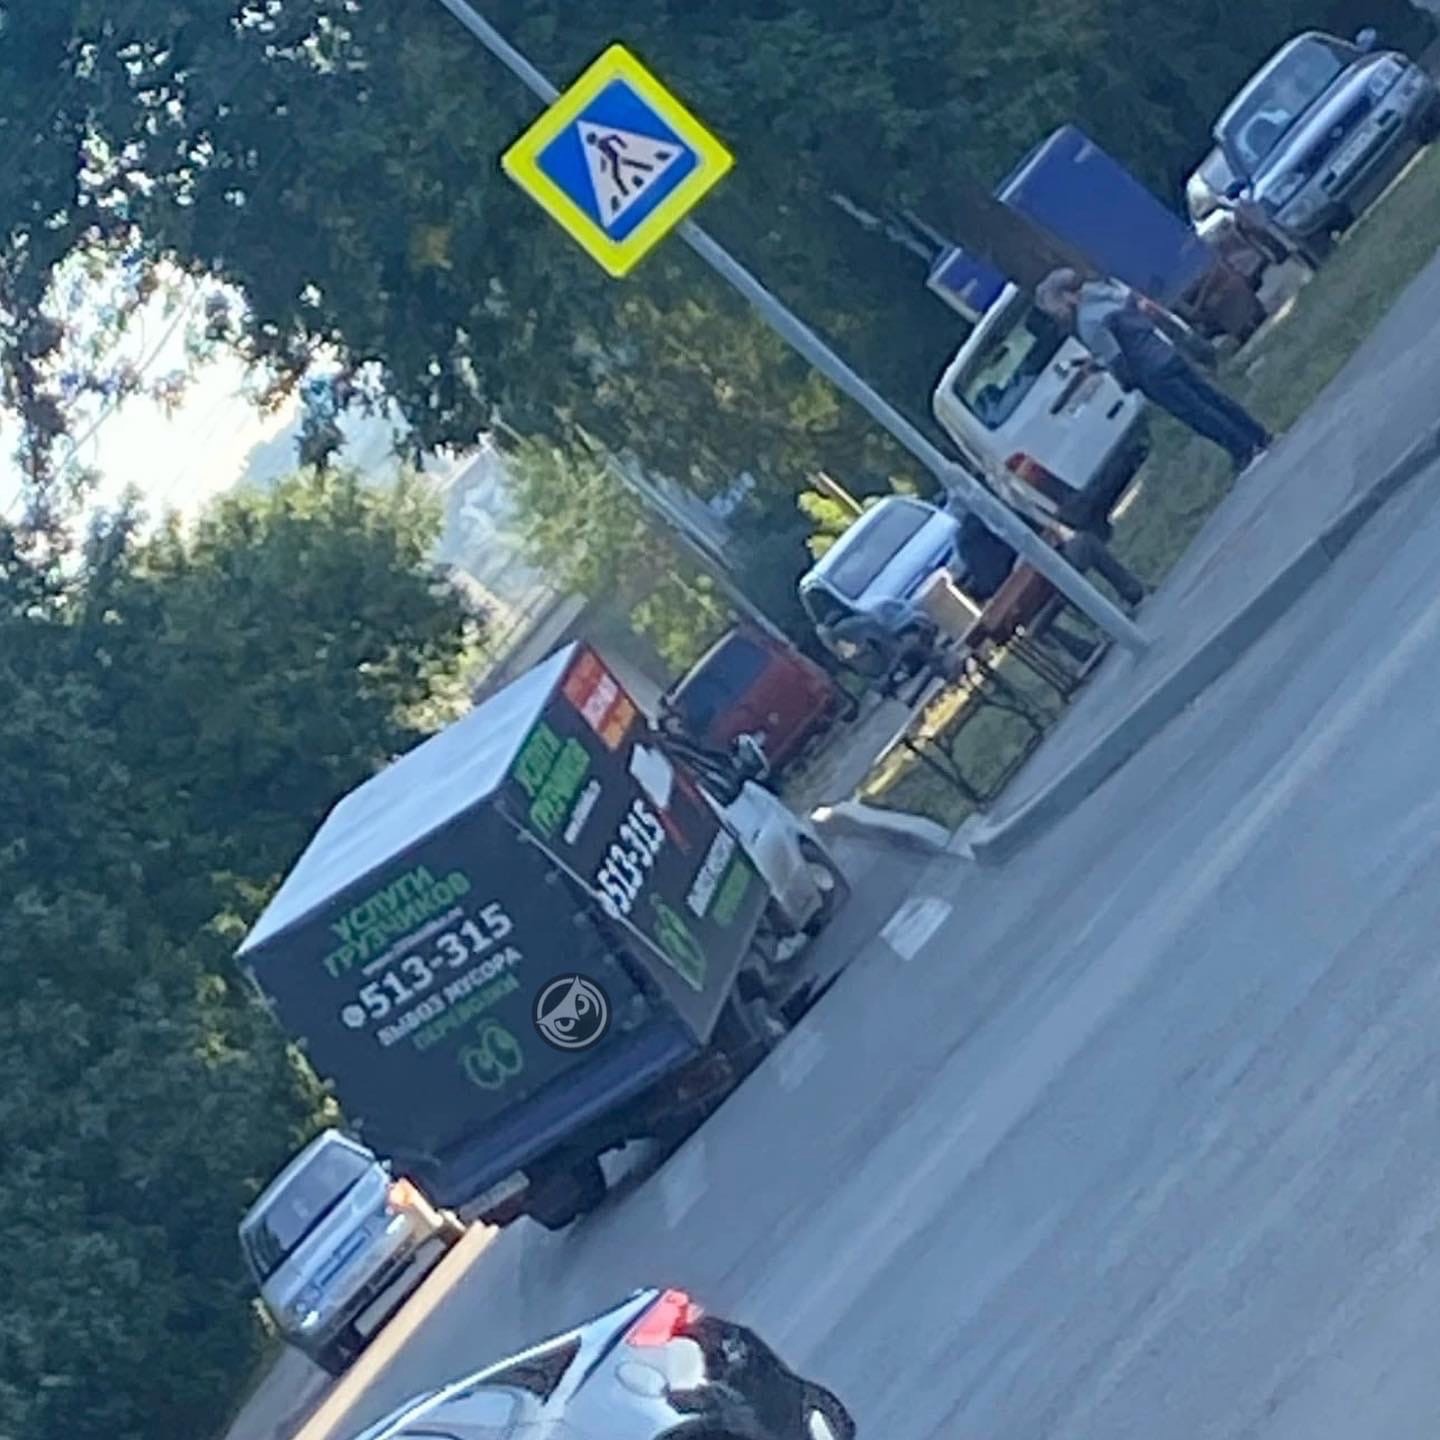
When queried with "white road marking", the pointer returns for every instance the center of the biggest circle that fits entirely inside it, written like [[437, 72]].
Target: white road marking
[[682, 1181], [798, 1056], [914, 923], [956, 1142]]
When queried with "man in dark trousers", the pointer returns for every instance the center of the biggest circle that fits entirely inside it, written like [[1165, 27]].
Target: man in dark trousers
[[988, 561], [1111, 322]]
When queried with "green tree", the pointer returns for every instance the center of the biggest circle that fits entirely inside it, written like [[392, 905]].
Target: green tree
[[593, 537], [181, 711]]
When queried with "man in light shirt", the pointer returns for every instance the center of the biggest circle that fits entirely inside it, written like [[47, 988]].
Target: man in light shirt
[[1112, 322]]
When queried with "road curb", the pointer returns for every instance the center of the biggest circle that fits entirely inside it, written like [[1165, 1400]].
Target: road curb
[[858, 820], [995, 842]]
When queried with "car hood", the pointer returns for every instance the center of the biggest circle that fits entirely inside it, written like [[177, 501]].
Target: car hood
[[1322, 130]]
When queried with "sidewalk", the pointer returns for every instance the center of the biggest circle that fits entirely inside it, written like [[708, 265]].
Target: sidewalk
[[1373, 429]]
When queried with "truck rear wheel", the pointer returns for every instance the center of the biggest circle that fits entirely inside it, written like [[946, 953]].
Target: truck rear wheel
[[747, 1031], [557, 1198]]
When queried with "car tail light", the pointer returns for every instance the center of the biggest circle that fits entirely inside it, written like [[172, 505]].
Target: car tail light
[[666, 1320], [402, 1195], [1030, 471]]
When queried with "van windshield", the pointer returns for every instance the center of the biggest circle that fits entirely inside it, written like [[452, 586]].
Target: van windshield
[[885, 535], [306, 1199], [1005, 368], [716, 683], [1294, 84]]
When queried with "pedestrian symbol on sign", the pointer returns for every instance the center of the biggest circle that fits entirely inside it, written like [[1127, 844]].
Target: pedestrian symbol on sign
[[622, 164]]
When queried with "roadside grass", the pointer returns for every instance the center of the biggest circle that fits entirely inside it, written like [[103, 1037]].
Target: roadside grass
[[984, 744], [1279, 375]]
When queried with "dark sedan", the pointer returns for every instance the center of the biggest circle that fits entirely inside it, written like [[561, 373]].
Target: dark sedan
[[657, 1367]]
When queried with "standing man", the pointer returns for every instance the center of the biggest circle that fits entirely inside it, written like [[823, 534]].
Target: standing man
[[1110, 323], [988, 561]]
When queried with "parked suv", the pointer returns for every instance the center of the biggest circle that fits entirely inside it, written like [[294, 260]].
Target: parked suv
[[330, 1242], [1320, 131], [750, 683]]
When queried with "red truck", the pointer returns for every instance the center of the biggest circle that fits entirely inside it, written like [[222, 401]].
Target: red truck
[[750, 683]]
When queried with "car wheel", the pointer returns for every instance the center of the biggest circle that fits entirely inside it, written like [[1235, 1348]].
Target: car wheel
[[826, 1418], [746, 1032], [557, 1198], [847, 707], [827, 878], [340, 1354], [1317, 249]]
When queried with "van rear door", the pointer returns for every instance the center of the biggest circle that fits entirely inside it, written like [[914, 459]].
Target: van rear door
[[1016, 392]]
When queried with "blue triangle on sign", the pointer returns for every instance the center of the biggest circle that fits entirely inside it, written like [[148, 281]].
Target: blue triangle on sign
[[588, 160]]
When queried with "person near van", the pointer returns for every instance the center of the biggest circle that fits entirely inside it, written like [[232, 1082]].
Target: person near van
[[988, 561], [1111, 324], [891, 643]]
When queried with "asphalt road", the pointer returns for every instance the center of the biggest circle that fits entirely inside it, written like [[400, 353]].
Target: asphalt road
[[1134, 1138]]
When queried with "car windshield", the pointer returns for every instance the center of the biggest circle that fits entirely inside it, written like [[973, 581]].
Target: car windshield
[[884, 536], [1269, 113], [306, 1199], [1002, 372], [717, 683]]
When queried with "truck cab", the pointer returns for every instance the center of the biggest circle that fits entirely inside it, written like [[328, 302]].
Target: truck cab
[[1056, 442]]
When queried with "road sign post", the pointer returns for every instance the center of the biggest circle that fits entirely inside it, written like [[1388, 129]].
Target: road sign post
[[619, 162]]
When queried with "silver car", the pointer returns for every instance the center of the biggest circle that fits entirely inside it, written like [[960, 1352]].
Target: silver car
[[330, 1243], [656, 1367], [1321, 130]]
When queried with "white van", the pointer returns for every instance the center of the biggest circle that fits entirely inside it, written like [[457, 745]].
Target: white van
[[1055, 441], [884, 558]]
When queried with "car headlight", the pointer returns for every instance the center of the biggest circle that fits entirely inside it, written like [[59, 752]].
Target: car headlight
[[305, 1308], [1383, 77], [1414, 82]]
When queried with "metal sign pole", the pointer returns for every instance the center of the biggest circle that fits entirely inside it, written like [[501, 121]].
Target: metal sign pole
[[962, 486]]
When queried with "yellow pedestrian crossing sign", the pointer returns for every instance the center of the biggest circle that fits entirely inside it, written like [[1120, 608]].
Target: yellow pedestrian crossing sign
[[618, 161]]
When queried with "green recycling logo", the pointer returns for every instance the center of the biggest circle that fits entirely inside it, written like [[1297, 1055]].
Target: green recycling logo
[[494, 1059], [682, 950]]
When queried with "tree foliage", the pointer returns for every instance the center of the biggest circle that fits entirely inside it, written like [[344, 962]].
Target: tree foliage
[[337, 160], [593, 537], [180, 713]]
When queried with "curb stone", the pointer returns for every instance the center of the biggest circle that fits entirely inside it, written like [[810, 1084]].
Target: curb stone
[[858, 820], [995, 842]]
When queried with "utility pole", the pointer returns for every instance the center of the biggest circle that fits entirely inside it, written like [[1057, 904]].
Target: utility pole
[[835, 491], [964, 489]]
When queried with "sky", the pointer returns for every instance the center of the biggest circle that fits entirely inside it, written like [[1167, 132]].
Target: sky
[[177, 462]]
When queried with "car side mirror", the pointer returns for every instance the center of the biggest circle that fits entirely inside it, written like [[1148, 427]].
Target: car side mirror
[[1367, 39]]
